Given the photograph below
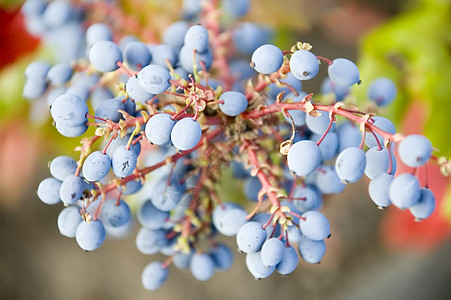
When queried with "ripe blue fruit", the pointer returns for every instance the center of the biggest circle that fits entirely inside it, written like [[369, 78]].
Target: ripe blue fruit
[[158, 128], [379, 189], [314, 225], [311, 251], [267, 59], [154, 79], [256, 266], [115, 214], [96, 166], [71, 189], [90, 235], [68, 221], [415, 150], [343, 72], [137, 55], [105, 55], [405, 191], [154, 275], [49, 191], [196, 38], [202, 266], [185, 134], [304, 65], [304, 157], [425, 206], [350, 164], [69, 110], [234, 103], [250, 237], [123, 161], [382, 90]]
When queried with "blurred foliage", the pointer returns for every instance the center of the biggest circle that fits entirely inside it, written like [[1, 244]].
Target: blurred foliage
[[414, 50]]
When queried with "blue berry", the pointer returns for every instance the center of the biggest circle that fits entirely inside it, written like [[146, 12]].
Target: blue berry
[[304, 157], [150, 241], [188, 59], [185, 134], [415, 150], [290, 260], [304, 65], [123, 161], [62, 166], [105, 55], [49, 191], [343, 72], [154, 79], [382, 91], [256, 266], [234, 103], [69, 110], [425, 206], [379, 189], [350, 164], [158, 128], [267, 59], [68, 221], [96, 166], [115, 214], [314, 225], [272, 252], [202, 266], [154, 275], [196, 38], [137, 55], [98, 32], [405, 191], [71, 189], [250, 237], [90, 236], [311, 251]]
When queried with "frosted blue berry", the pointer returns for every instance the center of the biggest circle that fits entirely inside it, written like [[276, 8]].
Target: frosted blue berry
[[304, 65], [267, 59], [344, 72]]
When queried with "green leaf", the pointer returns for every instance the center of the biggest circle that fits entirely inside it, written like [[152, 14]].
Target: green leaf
[[413, 49]]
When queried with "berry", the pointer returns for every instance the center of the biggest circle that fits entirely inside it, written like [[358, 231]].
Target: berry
[[154, 275], [415, 150], [405, 191], [105, 55], [314, 225], [382, 91], [304, 65], [234, 103], [154, 79], [196, 38], [343, 72], [96, 166], [250, 237], [267, 59], [90, 236], [304, 157], [68, 221], [158, 128], [350, 164], [185, 134]]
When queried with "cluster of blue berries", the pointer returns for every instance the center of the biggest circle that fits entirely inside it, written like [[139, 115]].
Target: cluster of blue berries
[[174, 115]]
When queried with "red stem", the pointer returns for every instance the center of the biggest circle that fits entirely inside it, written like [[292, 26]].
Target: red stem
[[325, 133], [277, 107], [112, 186]]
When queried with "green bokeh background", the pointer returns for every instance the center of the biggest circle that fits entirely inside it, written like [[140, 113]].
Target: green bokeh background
[[408, 41]]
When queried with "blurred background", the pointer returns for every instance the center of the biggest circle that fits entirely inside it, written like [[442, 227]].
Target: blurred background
[[372, 254]]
